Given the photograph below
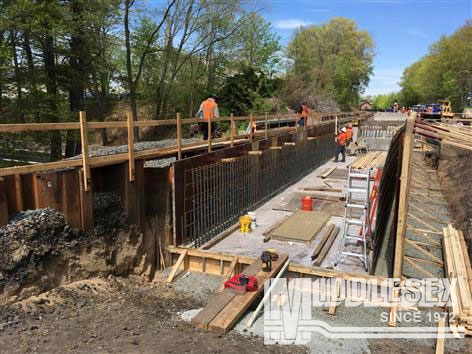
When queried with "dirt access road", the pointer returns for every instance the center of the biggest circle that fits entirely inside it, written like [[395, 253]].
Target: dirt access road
[[115, 315]]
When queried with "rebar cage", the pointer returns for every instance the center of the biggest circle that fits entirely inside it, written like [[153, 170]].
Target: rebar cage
[[217, 194]]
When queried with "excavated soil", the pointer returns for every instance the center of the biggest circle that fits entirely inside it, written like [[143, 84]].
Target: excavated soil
[[115, 315], [454, 172]]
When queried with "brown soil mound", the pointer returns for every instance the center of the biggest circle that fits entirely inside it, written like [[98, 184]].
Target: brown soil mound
[[455, 173]]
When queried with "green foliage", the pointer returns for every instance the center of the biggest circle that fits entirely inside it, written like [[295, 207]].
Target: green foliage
[[336, 56], [444, 73]]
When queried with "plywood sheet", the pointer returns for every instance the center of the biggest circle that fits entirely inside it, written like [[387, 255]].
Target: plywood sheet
[[302, 226]]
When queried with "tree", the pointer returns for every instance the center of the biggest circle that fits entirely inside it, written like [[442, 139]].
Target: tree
[[336, 56]]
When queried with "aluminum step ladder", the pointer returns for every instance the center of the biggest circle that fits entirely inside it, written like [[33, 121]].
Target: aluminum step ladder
[[356, 216]]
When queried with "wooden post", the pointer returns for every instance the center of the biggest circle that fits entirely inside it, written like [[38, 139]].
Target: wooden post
[[209, 134], [408, 144], [179, 137], [250, 125], [3, 203], [19, 192], [266, 125], [232, 129], [84, 143], [131, 147]]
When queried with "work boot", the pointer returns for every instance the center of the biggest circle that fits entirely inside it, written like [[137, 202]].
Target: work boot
[[342, 161], [335, 161]]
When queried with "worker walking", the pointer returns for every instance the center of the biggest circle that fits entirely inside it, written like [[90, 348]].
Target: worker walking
[[303, 110], [207, 111], [341, 145]]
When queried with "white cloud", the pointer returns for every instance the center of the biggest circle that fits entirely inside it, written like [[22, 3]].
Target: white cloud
[[291, 23], [384, 81]]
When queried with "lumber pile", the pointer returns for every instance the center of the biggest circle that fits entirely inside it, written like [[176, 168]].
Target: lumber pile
[[457, 264], [371, 159], [455, 135], [227, 307]]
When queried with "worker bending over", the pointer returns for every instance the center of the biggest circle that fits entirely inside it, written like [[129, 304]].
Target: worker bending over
[[207, 111], [341, 145]]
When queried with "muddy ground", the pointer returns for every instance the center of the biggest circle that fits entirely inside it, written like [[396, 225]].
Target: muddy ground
[[455, 172], [116, 315]]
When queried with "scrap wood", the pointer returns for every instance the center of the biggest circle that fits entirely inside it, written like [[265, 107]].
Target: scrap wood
[[220, 300], [177, 266], [327, 172], [457, 267], [321, 189], [227, 317], [327, 246], [323, 240]]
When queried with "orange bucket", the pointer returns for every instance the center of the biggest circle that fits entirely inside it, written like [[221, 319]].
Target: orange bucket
[[307, 203]]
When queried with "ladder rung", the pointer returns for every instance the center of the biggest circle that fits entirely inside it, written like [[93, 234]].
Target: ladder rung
[[358, 238], [354, 222], [356, 206], [357, 190], [358, 175], [360, 255]]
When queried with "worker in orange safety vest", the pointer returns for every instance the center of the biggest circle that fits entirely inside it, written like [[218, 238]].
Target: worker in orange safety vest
[[207, 111], [348, 134], [303, 111], [341, 140]]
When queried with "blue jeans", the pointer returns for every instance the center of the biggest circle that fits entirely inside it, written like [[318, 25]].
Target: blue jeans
[[340, 149]]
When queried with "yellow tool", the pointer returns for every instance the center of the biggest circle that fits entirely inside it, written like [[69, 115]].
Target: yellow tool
[[245, 222]]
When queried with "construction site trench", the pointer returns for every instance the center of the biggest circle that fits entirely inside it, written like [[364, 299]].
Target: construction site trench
[[88, 270]]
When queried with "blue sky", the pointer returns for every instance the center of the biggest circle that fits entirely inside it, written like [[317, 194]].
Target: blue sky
[[403, 30]]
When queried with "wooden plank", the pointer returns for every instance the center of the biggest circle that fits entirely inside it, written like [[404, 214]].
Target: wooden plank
[[3, 203], [323, 240], [176, 266], [232, 129], [179, 137], [440, 342], [232, 312], [85, 157], [19, 192], [403, 201], [86, 204], [219, 301], [28, 127], [326, 173], [327, 246], [131, 165]]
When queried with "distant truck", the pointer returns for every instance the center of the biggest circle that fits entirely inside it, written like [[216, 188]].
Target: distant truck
[[431, 111]]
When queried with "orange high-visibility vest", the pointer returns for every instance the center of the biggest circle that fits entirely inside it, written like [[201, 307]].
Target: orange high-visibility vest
[[209, 109], [348, 133], [342, 138], [305, 111]]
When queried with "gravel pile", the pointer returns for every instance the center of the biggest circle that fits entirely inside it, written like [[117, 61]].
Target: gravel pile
[[32, 234], [159, 163], [108, 213], [144, 145]]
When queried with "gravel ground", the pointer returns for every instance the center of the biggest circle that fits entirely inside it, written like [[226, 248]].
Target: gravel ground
[[159, 163], [95, 151]]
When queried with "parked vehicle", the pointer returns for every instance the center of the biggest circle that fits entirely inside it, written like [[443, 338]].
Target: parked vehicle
[[431, 111], [418, 108]]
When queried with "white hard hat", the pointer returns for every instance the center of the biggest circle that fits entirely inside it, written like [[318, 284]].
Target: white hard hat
[[343, 129]]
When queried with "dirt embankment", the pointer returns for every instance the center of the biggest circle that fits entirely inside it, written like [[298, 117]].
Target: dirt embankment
[[40, 251], [455, 173]]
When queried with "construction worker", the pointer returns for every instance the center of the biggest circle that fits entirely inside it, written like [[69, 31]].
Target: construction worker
[[207, 111], [348, 134], [341, 145], [303, 111]]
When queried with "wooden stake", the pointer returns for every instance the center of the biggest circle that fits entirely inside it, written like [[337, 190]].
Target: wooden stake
[[232, 129], [250, 125], [209, 134], [266, 125], [132, 170], [19, 192], [84, 143], [177, 266], [441, 339], [179, 138]]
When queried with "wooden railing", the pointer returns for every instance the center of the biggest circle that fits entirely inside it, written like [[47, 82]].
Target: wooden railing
[[87, 161]]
